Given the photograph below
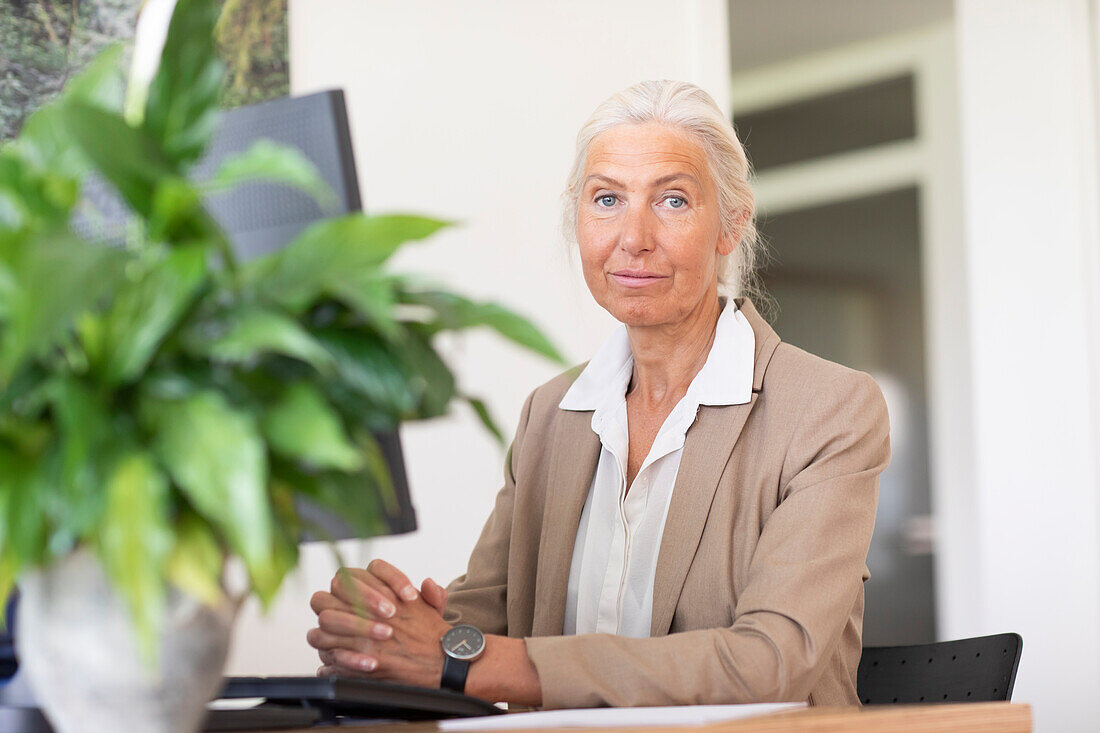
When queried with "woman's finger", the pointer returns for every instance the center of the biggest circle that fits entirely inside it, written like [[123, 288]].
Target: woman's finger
[[322, 600], [320, 639], [326, 657], [367, 578], [331, 670], [354, 661], [361, 597], [434, 594], [393, 578], [342, 623]]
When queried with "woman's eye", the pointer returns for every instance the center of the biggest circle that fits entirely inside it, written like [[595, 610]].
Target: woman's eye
[[676, 202], [605, 200]]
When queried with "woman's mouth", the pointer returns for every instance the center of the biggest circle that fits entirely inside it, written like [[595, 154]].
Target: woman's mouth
[[636, 278]]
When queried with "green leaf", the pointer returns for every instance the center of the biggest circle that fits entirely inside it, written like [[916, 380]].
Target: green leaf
[[196, 562], [270, 162], [404, 378], [135, 539], [7, 291], [373, 295], [126, 156], [355, 498], [44, 140], [181, 110], [10, 563], [178, 215], [23, 490], [427, 373], [485, 418], [333, 256], [56, 277], [379, 473], [91, 332], [287, 529], [101, 83], [369, 367], [19, 399], [33, 199], [12, 210], [249, 332], [454, 312], [302, 425], [9, 571], [85, 436], [28, 436], [148, 306], [215, 454]]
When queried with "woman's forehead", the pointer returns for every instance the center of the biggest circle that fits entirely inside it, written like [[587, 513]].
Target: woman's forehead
[[644, 152]]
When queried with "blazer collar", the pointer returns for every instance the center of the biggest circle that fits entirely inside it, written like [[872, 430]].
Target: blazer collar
[[707, 450], [766, 341]]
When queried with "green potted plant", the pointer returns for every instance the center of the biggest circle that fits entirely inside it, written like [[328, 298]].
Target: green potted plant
[[164, 408]]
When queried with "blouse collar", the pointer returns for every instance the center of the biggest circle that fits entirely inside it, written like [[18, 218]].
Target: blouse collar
[[725, 379]]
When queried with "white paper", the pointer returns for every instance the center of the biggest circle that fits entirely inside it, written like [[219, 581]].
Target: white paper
[[235, 703], [620, 717]]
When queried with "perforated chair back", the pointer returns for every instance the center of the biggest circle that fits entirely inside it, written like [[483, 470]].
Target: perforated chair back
[[982, 669]]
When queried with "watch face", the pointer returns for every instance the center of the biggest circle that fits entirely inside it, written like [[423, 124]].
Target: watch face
[[463, 642]]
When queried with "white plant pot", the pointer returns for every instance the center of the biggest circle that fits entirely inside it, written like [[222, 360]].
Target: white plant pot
[[78, 649]]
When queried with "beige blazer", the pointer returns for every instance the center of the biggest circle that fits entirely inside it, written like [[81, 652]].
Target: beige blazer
[[759, 583]]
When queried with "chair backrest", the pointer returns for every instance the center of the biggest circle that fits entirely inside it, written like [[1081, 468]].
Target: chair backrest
[[982, 669]]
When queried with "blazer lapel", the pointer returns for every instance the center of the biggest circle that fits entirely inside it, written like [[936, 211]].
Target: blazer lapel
[[578, 450], [708, 449]]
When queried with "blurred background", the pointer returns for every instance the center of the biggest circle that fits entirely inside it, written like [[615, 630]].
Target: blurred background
[[927, 179]]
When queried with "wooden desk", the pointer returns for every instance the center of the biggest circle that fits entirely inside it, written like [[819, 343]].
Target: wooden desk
[[981, 717]]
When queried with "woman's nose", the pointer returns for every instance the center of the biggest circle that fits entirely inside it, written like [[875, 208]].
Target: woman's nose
[[634, 237]]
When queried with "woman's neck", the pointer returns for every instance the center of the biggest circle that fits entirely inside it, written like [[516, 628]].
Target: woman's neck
[[667, 357]]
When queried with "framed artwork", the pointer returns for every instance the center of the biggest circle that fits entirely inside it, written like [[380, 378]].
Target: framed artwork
[[44, 42]]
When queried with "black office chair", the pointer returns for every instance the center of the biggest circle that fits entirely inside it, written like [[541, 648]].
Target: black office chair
[[982, 669]]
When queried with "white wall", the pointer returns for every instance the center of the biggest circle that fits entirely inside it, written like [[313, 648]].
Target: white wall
[[1028, 91], [468, 110]]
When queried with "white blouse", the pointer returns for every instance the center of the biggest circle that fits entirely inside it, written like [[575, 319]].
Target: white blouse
[[615, 553]]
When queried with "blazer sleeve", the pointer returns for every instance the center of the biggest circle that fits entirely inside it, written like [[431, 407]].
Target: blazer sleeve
[[804, 578], [479, 597]]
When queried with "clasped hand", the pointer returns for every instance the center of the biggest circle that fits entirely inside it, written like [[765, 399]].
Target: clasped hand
[[373, 623]]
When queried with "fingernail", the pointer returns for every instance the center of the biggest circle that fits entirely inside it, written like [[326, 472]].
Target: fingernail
[[384, 631], [409, 593], [367, 664], [386, 609]]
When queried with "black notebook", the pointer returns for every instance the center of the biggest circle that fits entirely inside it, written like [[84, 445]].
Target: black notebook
[[332, 698], [299, 702]]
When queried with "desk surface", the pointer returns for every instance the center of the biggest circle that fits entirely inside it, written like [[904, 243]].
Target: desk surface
[[982, 717]]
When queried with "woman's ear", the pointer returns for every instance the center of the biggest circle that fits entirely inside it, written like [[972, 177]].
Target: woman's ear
[[728, 242]]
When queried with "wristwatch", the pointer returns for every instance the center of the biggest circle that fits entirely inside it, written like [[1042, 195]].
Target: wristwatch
[[462, 644]]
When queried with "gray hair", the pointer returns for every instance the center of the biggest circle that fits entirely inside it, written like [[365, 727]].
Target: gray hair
[[691, 110]]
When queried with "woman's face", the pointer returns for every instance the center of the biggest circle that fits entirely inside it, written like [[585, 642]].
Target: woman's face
[[648, 226]]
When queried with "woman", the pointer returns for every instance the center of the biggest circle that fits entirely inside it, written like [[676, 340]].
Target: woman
[[685, 518]]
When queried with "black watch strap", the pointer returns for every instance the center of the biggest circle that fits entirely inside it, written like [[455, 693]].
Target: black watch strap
[[454, 673]]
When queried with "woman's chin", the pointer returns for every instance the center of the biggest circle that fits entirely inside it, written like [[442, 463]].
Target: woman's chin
[[638, 311]]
